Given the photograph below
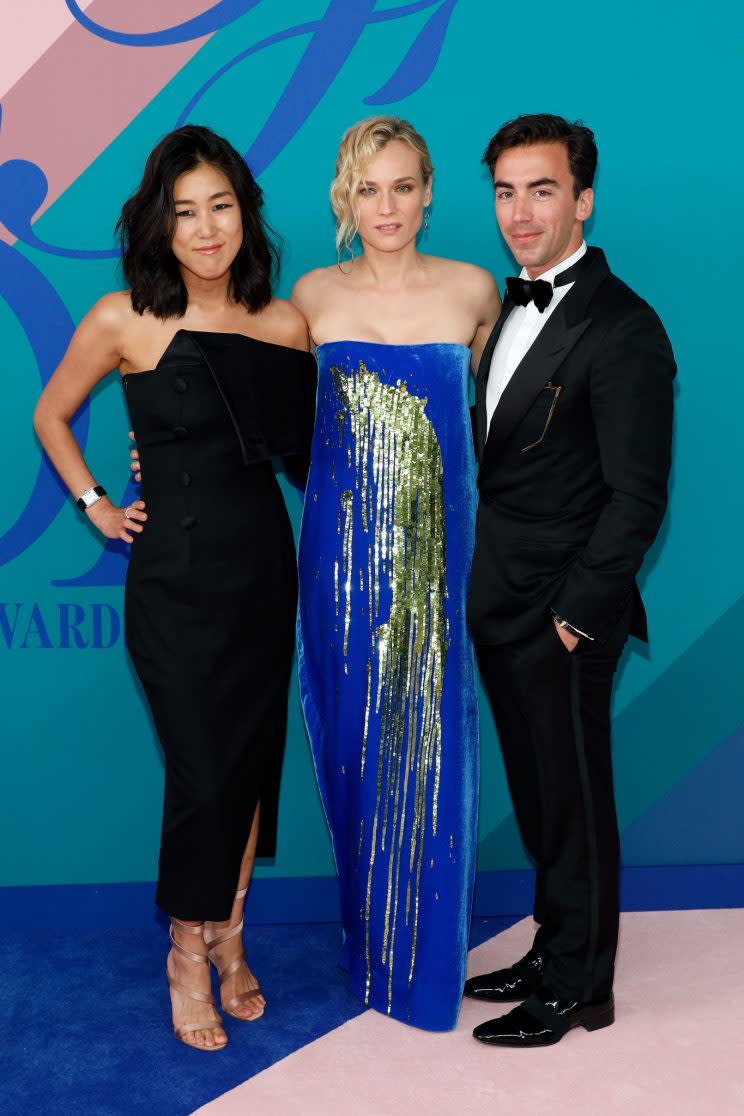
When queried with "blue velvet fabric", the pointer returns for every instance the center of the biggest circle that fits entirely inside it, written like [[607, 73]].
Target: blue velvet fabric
[[387, 675]]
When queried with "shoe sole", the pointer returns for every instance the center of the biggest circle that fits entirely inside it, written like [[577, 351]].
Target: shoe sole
[[592, 1018]]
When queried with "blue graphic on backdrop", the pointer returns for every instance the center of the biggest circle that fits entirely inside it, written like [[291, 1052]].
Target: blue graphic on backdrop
[[67, 626], [334, 38], [23, 184], [48, 326], [418, 64], [212, 19], [23, 191], [227, 11], [24, 187]]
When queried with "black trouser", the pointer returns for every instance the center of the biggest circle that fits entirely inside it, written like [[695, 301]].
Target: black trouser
[[552, 713]]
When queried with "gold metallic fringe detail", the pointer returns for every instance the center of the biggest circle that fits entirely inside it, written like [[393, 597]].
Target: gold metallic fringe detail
[[399, 491]]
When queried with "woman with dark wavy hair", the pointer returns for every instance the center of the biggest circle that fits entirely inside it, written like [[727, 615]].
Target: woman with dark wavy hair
[[218, 380]]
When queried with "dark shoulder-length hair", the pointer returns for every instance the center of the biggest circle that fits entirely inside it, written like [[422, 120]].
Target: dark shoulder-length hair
[[148, 221]]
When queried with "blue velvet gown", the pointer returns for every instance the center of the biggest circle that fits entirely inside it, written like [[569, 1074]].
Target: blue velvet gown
[[386, 665]]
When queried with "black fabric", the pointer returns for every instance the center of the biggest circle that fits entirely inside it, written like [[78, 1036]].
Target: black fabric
[[546, 1015], [573, 488], [552, 712], [525, 291], [211, 596], [573, 470]]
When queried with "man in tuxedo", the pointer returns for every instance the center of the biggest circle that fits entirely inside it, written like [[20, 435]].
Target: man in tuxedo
[[574, 430]]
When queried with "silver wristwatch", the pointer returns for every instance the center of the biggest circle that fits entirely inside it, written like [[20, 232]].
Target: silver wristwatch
[[90, 497]]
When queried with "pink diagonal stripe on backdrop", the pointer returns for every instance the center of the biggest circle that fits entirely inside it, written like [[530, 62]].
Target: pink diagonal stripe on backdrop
[[27, 32], [77, 98]]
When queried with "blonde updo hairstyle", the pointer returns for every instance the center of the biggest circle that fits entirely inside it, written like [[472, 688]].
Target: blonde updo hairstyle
[[357, 149]]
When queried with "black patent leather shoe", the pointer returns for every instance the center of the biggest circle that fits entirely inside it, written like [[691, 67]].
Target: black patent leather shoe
[[544, 1019], [506, 985]]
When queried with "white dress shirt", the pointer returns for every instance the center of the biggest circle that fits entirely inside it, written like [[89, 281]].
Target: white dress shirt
[[520, 333]]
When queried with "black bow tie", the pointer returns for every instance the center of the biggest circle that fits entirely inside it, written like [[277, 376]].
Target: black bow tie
[[524, 291]]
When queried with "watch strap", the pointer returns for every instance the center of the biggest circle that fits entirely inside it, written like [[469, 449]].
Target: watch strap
[[90, 497]]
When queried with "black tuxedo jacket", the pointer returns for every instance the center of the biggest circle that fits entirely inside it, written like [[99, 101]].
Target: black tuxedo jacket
[[574, 468]]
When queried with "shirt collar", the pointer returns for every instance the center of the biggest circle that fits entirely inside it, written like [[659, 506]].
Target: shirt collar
[[549, 276]]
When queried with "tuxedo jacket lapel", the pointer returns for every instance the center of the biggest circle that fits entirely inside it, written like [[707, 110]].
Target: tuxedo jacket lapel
[[558, 336], [539, 363], [481, 382]]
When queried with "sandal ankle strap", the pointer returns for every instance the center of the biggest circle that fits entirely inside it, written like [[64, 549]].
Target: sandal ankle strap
[[230, 968], [225, 936], [192, 993], [201, 958], [186, 927]]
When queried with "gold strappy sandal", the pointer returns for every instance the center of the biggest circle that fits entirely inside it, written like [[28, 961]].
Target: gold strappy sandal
[[192, 993], [231, 967]]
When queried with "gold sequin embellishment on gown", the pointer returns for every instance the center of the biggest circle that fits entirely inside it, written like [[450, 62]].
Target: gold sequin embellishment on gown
[[386, 666]]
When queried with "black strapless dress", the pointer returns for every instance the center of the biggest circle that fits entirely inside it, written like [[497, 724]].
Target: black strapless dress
[[211, 596]]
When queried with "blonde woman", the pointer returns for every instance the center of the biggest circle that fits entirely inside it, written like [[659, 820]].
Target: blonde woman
[[386, 665]]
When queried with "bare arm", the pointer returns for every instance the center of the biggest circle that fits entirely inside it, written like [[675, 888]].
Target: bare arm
[[305, 297], [301, 294], [489, 308], [95, 349], [294, 331]]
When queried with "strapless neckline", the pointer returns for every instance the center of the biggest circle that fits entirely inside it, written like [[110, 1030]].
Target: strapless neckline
[[394, 345], [214, 333]]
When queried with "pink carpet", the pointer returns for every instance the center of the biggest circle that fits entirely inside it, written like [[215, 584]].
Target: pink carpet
[[677, 1048]]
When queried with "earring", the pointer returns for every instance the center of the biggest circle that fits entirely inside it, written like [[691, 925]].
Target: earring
[[426, 220]]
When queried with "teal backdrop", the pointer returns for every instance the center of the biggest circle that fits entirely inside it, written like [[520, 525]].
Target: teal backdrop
[[80, 795]]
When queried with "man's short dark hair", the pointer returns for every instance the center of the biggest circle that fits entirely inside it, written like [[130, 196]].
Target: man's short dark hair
[[542, 127]]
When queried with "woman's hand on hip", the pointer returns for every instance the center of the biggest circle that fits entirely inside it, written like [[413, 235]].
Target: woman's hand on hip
[[135, 466], [117, 523]]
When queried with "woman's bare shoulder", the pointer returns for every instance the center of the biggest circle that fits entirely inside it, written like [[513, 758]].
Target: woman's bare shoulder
[[289, 324], [462, 272], [314, 282], [112, 311], [109, 322]]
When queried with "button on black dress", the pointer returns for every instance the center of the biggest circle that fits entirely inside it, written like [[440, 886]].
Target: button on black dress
[[211, 595]]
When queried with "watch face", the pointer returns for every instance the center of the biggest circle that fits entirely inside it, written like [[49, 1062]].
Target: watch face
[[89, 497]]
